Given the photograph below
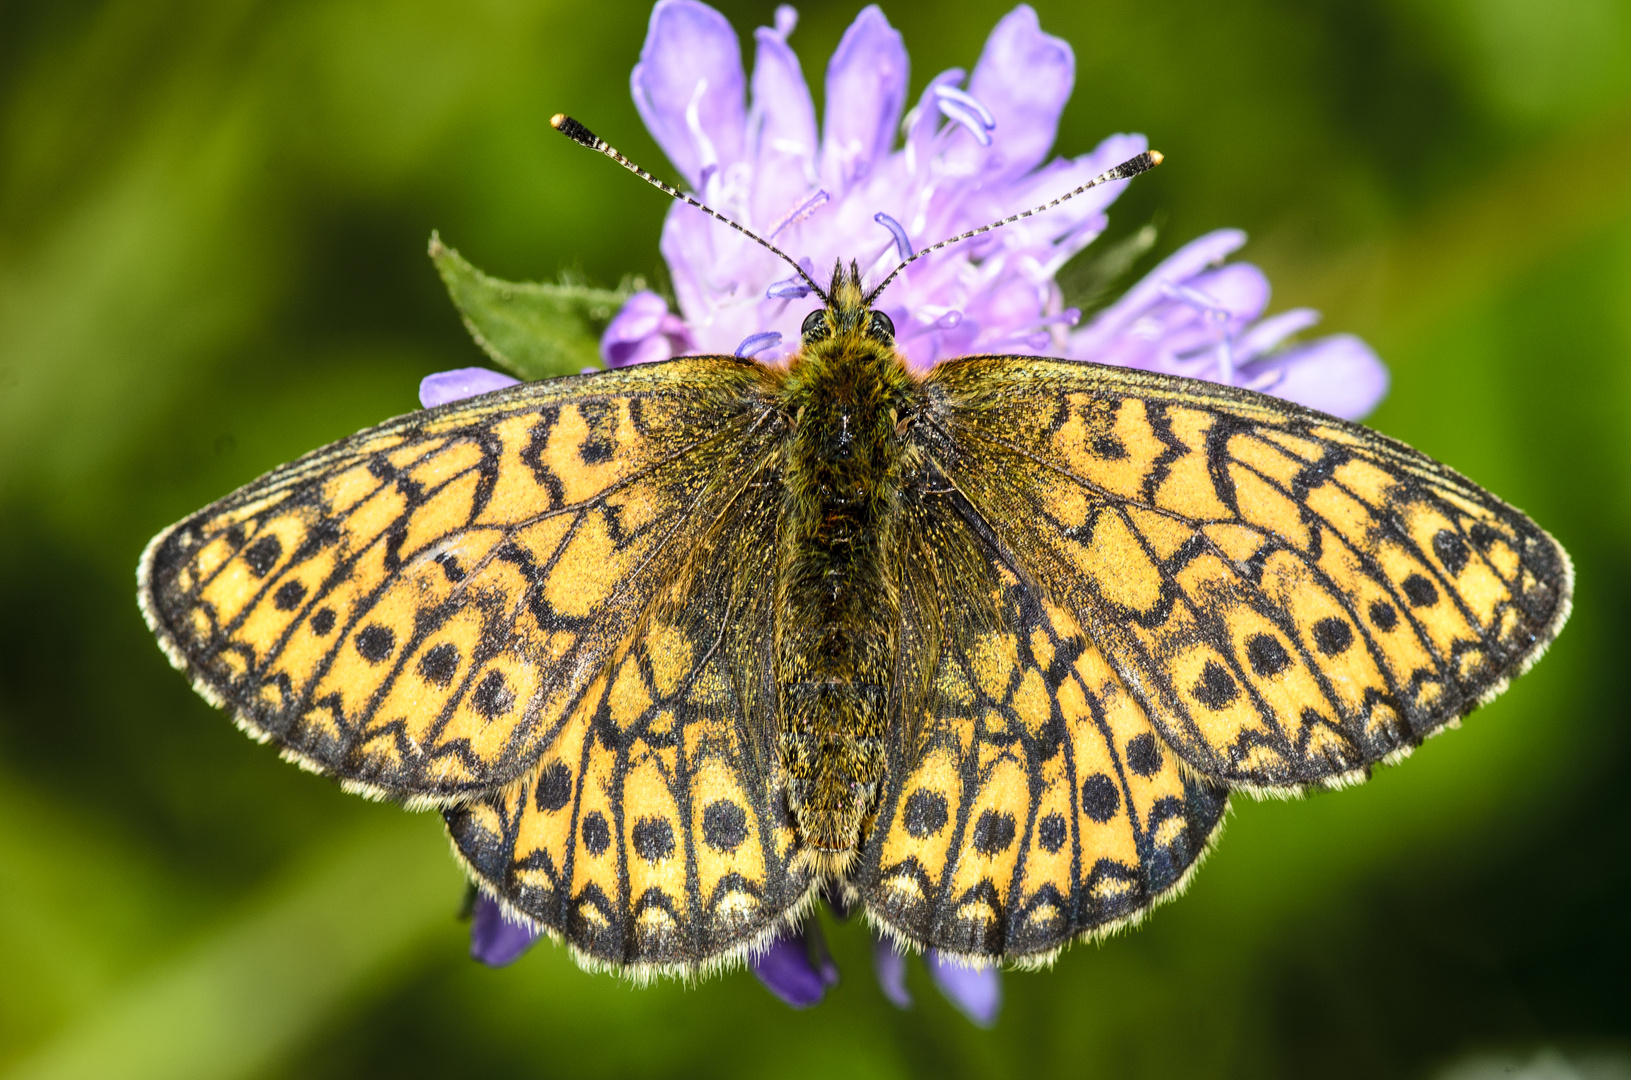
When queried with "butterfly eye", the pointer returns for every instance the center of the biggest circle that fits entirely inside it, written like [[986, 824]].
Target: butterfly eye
[[881, 327], [815, 325]]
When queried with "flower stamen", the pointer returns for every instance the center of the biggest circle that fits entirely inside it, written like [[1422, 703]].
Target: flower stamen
[[800, 212], [754, 344], [693, 123], [787, 289], [966, 109], [903, 245], [1215, 312]]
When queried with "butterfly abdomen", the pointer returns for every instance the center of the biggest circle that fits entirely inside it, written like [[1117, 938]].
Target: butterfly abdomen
[[837, 607]]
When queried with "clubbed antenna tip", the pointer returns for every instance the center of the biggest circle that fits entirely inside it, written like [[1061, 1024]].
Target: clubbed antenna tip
[[574, 130]]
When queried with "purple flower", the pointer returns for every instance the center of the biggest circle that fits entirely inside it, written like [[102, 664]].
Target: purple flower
[[976, 991], [494, 939], [643, 331], [797, 968], [973, 150], [446, 386]]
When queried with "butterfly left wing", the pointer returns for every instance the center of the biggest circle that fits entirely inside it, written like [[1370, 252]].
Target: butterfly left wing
[[1031, 801], [417, 609], [1291, 597], [649, 836]]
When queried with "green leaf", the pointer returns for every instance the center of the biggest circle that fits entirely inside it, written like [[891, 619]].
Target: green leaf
[[534, 330]]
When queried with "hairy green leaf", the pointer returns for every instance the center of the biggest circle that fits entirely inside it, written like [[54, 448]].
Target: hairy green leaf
[[534, 330]]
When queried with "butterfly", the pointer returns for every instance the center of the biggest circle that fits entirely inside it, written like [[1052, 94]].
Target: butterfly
[[677, 648]]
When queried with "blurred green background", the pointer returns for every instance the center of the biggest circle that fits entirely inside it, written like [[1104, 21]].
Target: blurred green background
[[213, 218]]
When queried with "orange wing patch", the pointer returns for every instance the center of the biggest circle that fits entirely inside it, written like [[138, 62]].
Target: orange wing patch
[[419, 609], [1291, 597]]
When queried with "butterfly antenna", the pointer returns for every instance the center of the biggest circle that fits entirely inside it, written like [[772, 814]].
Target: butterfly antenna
[[1125, 171], [583, 136]]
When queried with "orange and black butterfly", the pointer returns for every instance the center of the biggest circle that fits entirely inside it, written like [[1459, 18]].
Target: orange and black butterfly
[[676, 647]]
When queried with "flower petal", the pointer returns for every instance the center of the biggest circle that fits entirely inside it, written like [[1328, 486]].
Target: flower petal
[[977, 992], [643, 331], [1239, 291], [788, 970], [784, 125], [889, 964], [689, 44], [1339, 375], [1178, 267], [494, 939], [866, 92], [460, 383], [640, 316], [1268, 333], [1024, 78]]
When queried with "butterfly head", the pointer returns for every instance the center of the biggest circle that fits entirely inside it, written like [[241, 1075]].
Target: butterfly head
[[848, 314]]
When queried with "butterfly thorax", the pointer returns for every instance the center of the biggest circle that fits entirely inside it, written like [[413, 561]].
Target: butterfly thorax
[[838, 607]]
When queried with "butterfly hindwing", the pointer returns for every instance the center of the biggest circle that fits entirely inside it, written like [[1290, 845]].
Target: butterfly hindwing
[[1036, 802], [649, 835], [1292, 597], [417, 609]]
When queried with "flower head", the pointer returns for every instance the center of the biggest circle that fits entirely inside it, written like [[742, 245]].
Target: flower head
[[972, 149]]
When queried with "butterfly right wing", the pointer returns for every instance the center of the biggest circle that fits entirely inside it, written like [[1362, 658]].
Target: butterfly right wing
[[1292, 597], [649, 836]]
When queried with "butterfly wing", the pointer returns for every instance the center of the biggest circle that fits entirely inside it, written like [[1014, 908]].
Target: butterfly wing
[[1034, 801], [418, 609], [1291, 597], [649, 835]]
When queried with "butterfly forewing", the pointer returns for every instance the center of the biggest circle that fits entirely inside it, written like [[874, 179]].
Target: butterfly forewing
[[1291, 597], [418, 609]]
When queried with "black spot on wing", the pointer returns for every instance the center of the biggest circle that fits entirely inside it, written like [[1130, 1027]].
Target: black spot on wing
[[289, 595], [925, 813], [597, 835], [1100, 797], [263, 554], [1266, 655], [554, 788], [439, 664], [1332, 636], [1382, 615], [1052, 832], [1420, 591], [1216, 687], [993, 832], [1144, 755], [493, 697], [653, 839], [375, 642], [724, 825], [1451, 551]]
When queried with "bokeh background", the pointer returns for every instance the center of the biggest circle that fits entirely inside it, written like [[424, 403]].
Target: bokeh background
[[213, 219]]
